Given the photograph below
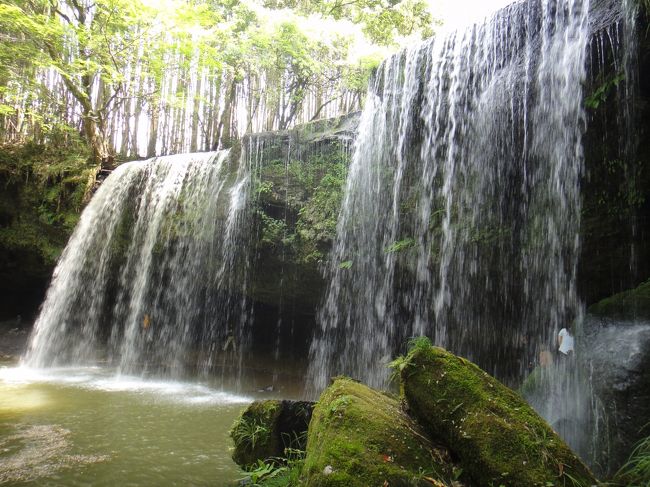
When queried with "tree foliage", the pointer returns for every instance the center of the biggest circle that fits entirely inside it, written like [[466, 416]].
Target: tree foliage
[[180, 75], [383, 21]]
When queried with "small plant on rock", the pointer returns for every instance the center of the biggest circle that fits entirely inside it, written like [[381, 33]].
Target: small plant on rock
[[637, 469], [249, 433], [419, 343], [402, 362]]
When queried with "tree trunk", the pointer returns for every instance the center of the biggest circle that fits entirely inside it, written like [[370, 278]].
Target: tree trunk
[[195, 112], [95, 134], [225, 126], [212, 140], [154, 119]]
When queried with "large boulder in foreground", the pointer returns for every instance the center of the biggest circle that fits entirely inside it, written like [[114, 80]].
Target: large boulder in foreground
[[362, 437], [497, 437], [266, 428]]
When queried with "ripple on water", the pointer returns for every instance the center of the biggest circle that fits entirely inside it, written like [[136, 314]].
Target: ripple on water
[[112, 430], [32, 452]]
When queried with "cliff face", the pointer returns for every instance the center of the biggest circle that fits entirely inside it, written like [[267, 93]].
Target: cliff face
[[299, 180], [615, 188], [43, 190], [298, 219]]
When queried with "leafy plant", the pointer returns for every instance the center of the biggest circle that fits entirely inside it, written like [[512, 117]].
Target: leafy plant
[[636, 470], [345, 265], [402, 362], [599, 96], [263, 471], [278, 471], [419, 343], [249, 433], [400, 245], [397, 366]]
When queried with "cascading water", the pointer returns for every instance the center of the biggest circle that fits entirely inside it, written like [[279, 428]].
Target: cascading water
[[154, 277], [461, 216], [462, 208]]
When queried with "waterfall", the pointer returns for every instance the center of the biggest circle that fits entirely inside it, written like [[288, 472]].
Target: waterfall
[[462, 207], [154, 277]]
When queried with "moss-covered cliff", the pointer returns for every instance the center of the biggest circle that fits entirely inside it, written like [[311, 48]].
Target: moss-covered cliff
[[43, 190], [299, 181], [615, 188]]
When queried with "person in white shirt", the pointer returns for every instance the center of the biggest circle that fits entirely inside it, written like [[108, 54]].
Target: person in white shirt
[[565, 342]]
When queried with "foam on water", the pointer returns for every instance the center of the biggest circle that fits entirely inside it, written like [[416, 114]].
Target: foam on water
[[97, 378]]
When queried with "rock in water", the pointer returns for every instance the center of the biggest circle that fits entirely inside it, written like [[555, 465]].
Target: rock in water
[[497, 437], [362, 437], [266, 428], [616, 353]]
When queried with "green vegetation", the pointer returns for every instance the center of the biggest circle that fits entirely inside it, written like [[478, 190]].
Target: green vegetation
[[636, 471], [310, 191], [44, 188], [403, 362], [600, 94], [496, 435], [281, 471], [317, 219], [400, 245], [346, 264], [85, 63], [361, 437], [253, 435], [269, 439], [383, 21], [631, 304]]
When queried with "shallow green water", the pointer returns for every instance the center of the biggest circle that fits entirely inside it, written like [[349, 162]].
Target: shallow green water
[[83, 427]]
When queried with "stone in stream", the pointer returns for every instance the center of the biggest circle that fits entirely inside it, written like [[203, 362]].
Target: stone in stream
[[266, 428], [496, 436], [362, 437]]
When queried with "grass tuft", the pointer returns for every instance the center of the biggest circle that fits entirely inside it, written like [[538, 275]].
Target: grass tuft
[[636, 471]]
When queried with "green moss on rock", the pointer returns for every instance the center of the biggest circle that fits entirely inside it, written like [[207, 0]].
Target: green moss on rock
[[631, 304], [498, 438], [362, 437], [43, 191], [252, 433], [266, 428]]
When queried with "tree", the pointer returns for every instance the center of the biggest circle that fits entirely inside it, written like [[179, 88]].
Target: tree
[[383, 21], [183, 74], [87, 44]]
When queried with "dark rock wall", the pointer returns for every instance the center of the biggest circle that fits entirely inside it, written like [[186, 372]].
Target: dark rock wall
[[616, 184], [300, 175], [617, 356], [41, 196]]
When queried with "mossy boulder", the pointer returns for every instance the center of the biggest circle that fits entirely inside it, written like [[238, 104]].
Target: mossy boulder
[[361, 437], [498, 438], [266, 428], [633, 304]]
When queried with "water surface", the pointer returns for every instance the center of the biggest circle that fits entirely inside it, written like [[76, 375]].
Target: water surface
[[85, 426]]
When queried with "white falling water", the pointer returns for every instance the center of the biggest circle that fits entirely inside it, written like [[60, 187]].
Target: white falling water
[[154, 276], [462, 209]]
